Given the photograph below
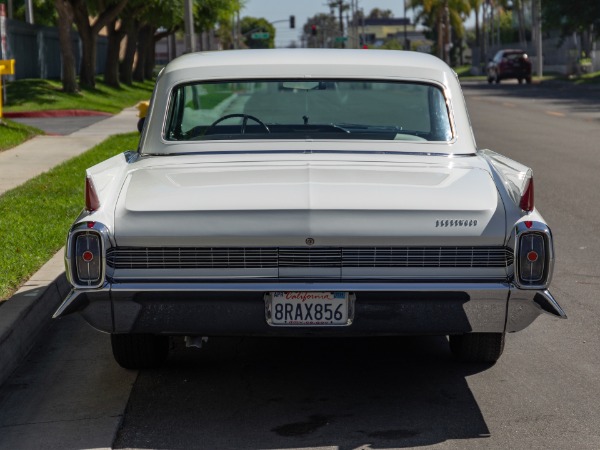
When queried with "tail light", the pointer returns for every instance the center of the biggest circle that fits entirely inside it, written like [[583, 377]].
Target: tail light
[[84, 257], [91, 196], [532, 259], [88, 258], [534, 255], [527, 203]]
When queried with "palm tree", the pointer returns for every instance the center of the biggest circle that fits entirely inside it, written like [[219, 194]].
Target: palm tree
[[440, 16], [476, 7]]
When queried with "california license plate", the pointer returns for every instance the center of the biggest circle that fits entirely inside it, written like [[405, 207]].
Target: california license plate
[[308, 308]]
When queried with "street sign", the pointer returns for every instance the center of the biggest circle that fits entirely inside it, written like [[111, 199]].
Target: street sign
[[341, 38], [7, 66], [260, 35]]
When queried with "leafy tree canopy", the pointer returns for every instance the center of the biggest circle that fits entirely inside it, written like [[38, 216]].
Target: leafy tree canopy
[[377, 13], [571, 16], [252, 25]]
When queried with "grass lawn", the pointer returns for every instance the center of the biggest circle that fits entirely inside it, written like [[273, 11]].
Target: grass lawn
[[13, 133], [35, 217], [40, 95], [591, 78]]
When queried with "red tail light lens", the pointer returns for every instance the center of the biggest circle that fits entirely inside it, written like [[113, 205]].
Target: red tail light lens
[[91, 196], [526, 202]]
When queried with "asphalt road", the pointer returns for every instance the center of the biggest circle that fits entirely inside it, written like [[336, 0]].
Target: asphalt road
[[361, 394]]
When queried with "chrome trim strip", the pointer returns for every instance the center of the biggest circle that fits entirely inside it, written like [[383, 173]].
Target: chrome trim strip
[[308, 286], [310, 152], [283, 258], [557, 309]]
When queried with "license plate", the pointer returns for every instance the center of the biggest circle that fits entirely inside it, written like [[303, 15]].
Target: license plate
[[308, 308]]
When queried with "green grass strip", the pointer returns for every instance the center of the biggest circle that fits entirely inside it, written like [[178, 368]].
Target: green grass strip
[[13, 133], [43, 95], [35, 217]]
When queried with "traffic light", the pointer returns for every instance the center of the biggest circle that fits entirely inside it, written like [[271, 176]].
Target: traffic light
[[292, 21], [313, 30]]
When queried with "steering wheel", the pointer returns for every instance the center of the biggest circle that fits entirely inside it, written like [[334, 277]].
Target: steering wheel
[[246, 117]]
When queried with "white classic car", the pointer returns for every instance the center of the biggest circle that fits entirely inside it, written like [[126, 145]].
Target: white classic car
[[308, 193]]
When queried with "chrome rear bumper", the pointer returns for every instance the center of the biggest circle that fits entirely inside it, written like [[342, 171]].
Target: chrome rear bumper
[[238, 308]]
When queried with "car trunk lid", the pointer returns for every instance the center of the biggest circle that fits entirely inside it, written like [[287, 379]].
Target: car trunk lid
[[321, 203]]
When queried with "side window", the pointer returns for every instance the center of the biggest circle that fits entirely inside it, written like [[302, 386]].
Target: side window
[[176, 112]]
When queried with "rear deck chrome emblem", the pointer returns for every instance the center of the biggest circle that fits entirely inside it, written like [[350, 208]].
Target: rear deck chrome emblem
[[455, 223], [309, 241]]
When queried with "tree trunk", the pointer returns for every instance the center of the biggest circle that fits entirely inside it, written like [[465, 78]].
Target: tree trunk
[[440, 36], [142, 52], [446, 32], [150, 57], [88, 32], [111, 68], [126, 66], [65, 22], [87, 69], [477, 31], [521, 20]]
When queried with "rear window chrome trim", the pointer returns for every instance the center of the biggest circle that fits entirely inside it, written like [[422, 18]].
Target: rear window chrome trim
[[424, 82], [312, 152]]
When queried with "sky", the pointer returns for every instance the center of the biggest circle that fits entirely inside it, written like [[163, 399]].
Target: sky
[[273, 10]]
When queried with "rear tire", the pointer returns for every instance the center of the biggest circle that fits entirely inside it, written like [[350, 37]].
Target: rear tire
[[139, 351], [477, 347]]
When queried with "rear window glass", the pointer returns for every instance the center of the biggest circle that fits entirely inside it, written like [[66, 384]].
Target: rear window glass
[[301, 109]]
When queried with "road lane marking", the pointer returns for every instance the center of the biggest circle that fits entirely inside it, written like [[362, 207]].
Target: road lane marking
[[510, 105], [555, 113]]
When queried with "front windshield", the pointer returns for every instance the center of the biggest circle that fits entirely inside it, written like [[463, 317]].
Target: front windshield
[[301, 109]]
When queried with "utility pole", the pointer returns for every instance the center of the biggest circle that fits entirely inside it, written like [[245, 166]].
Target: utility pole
[[405, 46], [341, 7], [188, 21], [28, 11], [538, 44]]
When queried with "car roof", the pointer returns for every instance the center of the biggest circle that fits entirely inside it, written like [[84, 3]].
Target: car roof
[[512, 50], [309, 62]]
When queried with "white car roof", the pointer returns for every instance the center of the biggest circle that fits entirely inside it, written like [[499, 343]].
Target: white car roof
[[306, 62]]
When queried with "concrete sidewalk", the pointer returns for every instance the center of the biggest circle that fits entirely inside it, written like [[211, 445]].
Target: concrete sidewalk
[[25, 314], [42, 153]]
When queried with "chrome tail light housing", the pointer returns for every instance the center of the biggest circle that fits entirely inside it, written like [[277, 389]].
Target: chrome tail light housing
[[85, 255], [534, 255]]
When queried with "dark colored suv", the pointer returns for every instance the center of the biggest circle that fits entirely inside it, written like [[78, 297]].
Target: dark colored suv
[[506, 64]]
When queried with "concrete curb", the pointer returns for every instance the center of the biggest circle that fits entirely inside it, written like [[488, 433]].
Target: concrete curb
[[25, 315]]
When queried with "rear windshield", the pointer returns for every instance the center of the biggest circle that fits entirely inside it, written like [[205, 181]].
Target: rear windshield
[[301, 109]]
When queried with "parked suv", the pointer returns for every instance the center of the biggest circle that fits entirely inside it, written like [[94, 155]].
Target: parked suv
[[507, 64]]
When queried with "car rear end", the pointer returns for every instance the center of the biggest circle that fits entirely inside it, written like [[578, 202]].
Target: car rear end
[[515, 64]]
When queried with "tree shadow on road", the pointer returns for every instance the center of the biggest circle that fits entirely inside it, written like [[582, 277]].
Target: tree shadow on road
[[579, 98]]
